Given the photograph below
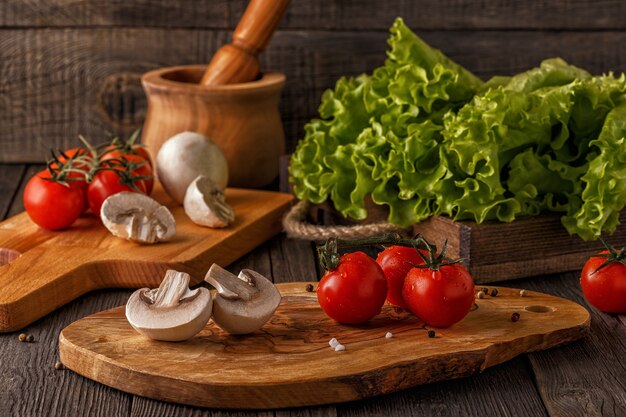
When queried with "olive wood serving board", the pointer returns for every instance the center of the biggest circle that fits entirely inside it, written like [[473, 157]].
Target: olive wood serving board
[[44, 270], [289, 363]]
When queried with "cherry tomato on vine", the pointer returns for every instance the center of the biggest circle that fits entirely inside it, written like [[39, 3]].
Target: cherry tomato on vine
[[441, 292], [78, 162], [143, 169], [108, 182], [137, 150], [396, 261], [353, 292], [53, 205], [129, 146], [603, 280]]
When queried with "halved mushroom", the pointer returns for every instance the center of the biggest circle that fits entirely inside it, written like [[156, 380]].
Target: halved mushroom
[[137, 217], [206, 205], [243, 303], [171, 312]]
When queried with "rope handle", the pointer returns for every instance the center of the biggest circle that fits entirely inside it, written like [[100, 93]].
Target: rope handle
[[296, 226]]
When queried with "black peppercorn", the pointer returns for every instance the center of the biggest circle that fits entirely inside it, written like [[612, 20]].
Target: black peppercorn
[[514, 317], [30, 338], [431, 333], [309, 287], [485, 290], [494, 292]]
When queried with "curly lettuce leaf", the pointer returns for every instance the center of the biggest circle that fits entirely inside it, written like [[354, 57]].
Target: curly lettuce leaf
[[379, 134], [604, 194], [424, 136]]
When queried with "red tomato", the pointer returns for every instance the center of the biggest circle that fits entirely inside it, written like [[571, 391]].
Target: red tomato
[[355, 291], [82, 168], [128, 149], [144, 170], [605, 288], [396, 261], [53, 205], [106, 183], [439, 297]]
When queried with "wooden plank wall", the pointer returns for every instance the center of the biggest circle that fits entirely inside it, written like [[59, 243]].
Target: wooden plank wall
[[73, 66]]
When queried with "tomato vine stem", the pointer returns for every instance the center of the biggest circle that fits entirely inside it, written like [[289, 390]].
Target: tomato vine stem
[[328, 252], [613, 256]]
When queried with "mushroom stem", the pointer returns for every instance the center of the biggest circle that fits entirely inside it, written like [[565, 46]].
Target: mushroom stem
[[173, 289], [229, 285], [140, 226]]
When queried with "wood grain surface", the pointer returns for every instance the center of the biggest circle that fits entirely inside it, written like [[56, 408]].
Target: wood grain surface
[[529, 385], [288, 362], [363, 15], [58, 82], [57, 267], [92, 55]]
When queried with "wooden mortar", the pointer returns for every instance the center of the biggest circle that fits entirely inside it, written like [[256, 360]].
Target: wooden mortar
[[243, 119]]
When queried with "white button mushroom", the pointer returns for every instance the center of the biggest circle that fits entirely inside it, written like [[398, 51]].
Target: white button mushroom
[[171, 312], [137, 217], [206, 205], [185, 156], [243, 303]]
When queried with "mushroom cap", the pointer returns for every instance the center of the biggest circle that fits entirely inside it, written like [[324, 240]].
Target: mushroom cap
[[172, 312], [206, 205], [237, 316], [135, 216], [185, 156]]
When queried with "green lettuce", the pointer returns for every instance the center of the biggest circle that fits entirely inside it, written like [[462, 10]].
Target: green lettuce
[[379, 134], [424, 136]]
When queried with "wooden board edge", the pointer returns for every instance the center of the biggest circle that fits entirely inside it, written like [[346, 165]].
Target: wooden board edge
[[306, 393]]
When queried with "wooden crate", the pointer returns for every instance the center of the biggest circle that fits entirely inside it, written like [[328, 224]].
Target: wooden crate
[[497, 251], [493, 251], [525, 247]]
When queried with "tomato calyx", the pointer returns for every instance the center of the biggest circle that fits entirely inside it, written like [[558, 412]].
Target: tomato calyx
[[432, 260], [328, 252], [125, 146], [61, 167], [614, 255], [124, 169]]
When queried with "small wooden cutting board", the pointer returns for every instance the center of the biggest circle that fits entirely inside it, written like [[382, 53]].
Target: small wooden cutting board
[[289, 362], [44, 270]]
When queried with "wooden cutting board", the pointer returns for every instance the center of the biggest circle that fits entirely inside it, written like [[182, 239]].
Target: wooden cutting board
[[44, 270], [289, 363]]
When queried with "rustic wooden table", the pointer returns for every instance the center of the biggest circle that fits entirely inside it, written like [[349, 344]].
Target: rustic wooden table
[[585, 378]]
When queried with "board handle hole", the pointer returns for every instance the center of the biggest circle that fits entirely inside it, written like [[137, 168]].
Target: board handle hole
[[539, 309], [8, 255]]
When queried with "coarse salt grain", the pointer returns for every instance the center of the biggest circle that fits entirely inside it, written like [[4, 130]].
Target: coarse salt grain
[[333, 343], [388, 335], [339, 347]]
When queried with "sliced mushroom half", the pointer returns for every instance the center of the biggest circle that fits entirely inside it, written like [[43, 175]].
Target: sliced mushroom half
[[243, 303], [206, 205], [171, 312], [137, 217]]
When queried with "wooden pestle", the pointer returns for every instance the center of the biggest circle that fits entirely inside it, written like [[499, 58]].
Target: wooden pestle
[[238, 61]]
